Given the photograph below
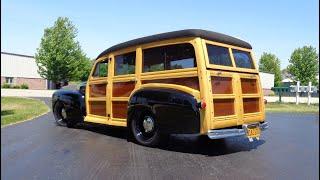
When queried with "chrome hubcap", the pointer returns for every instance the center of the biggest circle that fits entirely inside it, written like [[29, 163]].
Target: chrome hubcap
[[148, 124], [63, 113]]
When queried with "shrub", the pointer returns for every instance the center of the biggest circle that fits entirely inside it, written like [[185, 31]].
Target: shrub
[[6, 85], [272, 94], [16, 87], [24, 86]]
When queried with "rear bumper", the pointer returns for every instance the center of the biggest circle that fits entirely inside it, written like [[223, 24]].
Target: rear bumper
[[224, 133]]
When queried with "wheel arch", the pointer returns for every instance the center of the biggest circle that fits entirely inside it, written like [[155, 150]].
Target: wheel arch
[[176, 110]]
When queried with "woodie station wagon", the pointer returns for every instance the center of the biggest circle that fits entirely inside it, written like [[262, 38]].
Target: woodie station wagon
[[183, 82]]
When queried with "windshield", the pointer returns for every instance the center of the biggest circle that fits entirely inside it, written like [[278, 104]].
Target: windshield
[[221, 56]]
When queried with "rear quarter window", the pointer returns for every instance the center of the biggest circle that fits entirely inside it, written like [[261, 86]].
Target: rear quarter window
[[178, 56]]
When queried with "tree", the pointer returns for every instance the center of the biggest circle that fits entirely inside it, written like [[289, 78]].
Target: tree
[[285, 74], [59, 57], [304, 65], [269, 63]]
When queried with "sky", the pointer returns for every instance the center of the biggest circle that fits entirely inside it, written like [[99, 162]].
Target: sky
[[273, 26]]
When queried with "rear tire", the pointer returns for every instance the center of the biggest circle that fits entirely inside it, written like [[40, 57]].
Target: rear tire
[[145, 129]]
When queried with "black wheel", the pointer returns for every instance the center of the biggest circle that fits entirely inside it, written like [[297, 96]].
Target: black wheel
[[61, 116], [144, 129]]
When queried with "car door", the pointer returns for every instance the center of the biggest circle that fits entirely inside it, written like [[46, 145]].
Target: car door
[[98, 95], [122, 83]]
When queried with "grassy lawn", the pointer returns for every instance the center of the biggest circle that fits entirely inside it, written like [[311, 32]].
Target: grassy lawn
[[291, 107], [14, 109]]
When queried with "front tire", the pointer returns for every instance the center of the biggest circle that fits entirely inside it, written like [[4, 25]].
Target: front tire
[[61, 116], [145, 130]]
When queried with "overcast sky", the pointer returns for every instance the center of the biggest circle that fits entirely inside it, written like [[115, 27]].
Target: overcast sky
[[269, 26]]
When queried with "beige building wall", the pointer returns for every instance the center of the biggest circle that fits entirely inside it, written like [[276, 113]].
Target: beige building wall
[[23, 70]]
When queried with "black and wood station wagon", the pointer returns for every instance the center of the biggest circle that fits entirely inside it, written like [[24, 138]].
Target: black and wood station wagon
[[182, 82]]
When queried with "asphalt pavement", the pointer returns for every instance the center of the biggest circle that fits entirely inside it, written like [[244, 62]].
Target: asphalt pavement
[[39, 149]]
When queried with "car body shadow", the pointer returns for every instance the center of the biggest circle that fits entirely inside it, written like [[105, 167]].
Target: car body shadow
[[211, 147], [185, 144]]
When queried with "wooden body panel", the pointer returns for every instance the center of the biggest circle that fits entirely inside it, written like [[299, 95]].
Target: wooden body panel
[[251, 105], [249, 86], [97, 90], [192, 82], [223, 107], [119, 109], [98, 108], [123, 89], [221, 85]]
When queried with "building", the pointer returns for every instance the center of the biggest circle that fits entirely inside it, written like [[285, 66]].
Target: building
[[17, 69], [267, 82], [288, 82]]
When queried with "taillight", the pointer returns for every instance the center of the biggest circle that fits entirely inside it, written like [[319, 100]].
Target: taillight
[[202, 104]]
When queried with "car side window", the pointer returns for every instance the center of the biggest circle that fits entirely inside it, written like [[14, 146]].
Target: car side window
[[101, 69], [125, 64], [178, 56]]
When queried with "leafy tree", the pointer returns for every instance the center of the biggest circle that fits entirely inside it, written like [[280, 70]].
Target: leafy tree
[[304, 65], [269, 63], [59, 57]]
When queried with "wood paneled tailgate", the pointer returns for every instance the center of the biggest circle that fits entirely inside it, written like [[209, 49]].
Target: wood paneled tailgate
[[249, 86], [221, 85], [251, 105], [223, 107]]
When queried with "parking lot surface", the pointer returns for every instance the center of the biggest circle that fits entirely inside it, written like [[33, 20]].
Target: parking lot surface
[[39, 149]]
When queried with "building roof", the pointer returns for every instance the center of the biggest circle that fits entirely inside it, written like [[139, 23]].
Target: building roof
[[14, 54], [209, 35], [287, 80], [18, 65]]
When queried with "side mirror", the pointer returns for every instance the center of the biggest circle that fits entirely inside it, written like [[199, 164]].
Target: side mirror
[[82, 89]]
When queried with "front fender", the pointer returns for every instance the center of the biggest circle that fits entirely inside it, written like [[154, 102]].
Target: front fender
[[73, 101], [176, 112]]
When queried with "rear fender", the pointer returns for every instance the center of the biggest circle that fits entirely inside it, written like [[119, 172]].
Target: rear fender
[[176, 112]]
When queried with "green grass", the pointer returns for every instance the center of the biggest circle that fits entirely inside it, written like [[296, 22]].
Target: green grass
[[291, 107], [14, 109]]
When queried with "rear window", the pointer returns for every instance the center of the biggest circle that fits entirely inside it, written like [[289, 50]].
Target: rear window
[[219, 55], [242, 59], [179, 56], [125, 63]]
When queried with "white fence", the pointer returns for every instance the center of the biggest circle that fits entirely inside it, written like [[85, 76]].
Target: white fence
[[314, 100]]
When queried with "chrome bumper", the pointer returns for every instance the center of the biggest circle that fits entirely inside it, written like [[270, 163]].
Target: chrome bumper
[[223, 133]]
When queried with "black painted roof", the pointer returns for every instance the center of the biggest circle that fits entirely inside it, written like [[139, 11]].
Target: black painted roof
[[209, 35]]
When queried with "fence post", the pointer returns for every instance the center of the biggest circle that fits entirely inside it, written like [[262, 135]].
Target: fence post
[[309, 93], [297, 92]]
